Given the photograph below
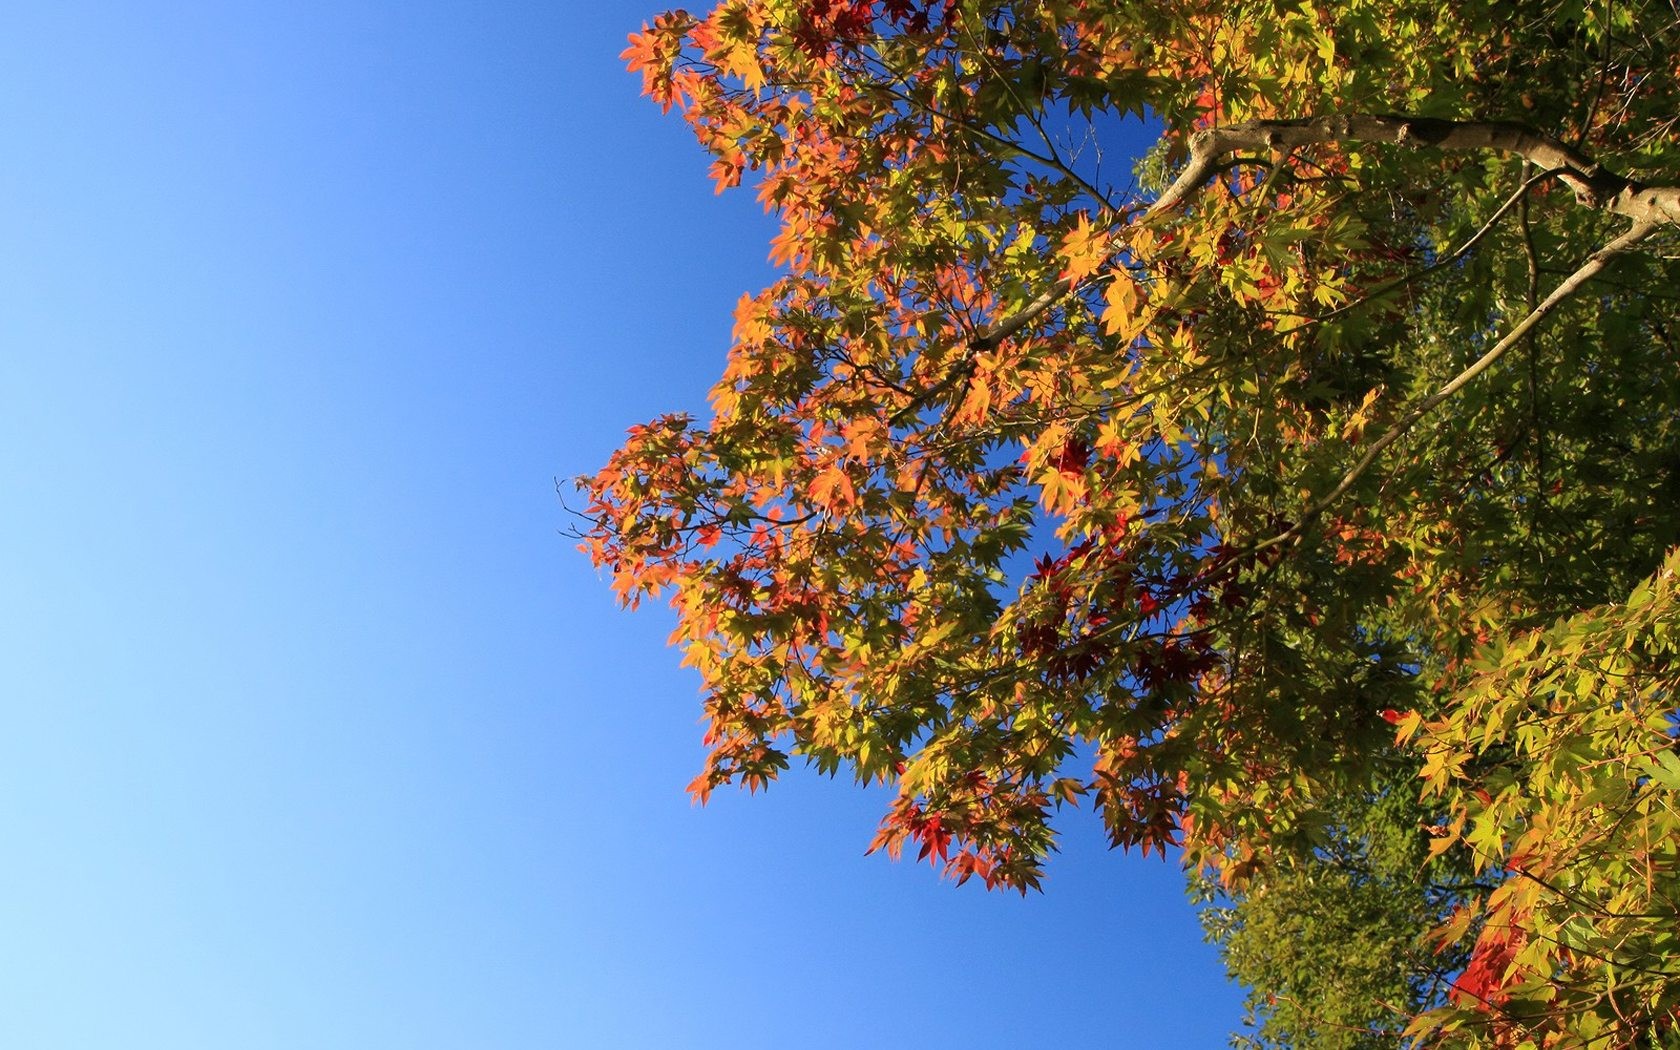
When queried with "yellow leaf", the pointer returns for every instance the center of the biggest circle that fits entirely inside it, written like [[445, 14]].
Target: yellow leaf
[[1083, 250]]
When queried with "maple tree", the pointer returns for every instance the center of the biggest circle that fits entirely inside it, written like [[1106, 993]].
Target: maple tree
[[1343, 439]]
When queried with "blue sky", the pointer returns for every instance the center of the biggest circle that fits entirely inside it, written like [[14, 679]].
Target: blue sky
[[317, 731]]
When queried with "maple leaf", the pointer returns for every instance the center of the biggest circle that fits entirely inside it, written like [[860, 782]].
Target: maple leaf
[[1083, 251], [832, 489], [1123, 313]]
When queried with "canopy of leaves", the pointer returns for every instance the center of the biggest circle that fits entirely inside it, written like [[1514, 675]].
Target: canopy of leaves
[[1327, 940], [1342, 441]]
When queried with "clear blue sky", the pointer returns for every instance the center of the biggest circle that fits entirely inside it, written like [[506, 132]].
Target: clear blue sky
[[317, 733]]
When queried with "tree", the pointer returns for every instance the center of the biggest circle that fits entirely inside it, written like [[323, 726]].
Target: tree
[[1327, 941], [1342, 442]]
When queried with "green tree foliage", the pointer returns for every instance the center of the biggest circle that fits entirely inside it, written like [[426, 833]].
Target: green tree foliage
[[1306, 505], [1327, 940]]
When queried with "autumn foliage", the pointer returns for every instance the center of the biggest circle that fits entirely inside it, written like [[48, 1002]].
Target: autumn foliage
[[1342, 438]]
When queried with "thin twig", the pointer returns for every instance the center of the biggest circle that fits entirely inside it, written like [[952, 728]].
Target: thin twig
[[1520, 197], [1595, 263]]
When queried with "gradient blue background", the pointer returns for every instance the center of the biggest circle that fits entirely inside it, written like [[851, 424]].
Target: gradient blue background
[[317, 732]]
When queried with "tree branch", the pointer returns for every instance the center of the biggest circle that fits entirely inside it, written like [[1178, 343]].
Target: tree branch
[[1593, 186]]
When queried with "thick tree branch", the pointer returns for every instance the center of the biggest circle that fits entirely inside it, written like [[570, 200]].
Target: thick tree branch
[[1592, 184], [1595, 263]]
